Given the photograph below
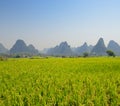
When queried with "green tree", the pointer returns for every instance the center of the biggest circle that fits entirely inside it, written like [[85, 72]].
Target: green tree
[[85, 54], [110, 53]]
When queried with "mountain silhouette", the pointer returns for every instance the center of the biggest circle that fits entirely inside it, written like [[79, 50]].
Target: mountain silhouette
[[99, 48], [3, 49], [114, 46], [61, 50], [32, 49], [20, 47], [82, 49]]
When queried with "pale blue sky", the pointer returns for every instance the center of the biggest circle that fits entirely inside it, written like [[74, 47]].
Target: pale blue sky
[[46, 23]]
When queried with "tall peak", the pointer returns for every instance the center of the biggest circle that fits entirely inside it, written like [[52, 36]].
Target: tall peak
[[85, 44], [99, 48], [20, 42], [21, 47], [101, 41], [64, 43]]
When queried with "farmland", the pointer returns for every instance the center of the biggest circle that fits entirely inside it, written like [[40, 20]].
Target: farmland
[[60, 82]]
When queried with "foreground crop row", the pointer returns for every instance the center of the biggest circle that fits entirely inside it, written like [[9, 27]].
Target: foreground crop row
[[60, 82]]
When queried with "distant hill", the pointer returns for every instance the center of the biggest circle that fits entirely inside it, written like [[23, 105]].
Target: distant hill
[[63, 49], [82, 49], [114, 46], [32, 49], [20, 47], [3, 49], [90, 47], [99, 48]]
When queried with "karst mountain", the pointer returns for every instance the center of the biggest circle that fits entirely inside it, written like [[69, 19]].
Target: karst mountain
[[99, 48], [20, 47], [64, 49]]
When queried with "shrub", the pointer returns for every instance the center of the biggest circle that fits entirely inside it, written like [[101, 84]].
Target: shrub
[[110, 53], [85, 54], [3, 58]]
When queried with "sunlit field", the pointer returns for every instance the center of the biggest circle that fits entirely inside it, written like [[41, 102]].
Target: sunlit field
[[60, 82]]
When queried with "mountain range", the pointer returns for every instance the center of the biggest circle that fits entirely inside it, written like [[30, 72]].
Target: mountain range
[[20, 47], [63, 49], [98, 50]]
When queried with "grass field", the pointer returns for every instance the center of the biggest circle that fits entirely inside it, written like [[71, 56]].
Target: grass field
[[60, 82]]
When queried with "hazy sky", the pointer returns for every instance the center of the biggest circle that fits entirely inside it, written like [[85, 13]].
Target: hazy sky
[[46, 23]]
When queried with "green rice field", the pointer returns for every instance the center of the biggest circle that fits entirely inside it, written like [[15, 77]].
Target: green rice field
[[93, 81]]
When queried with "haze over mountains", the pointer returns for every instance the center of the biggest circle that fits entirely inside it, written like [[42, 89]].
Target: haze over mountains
[[63, 49]]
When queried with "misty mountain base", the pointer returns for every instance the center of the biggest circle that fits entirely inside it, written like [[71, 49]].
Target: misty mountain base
[[60, 82], [63, 49]]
